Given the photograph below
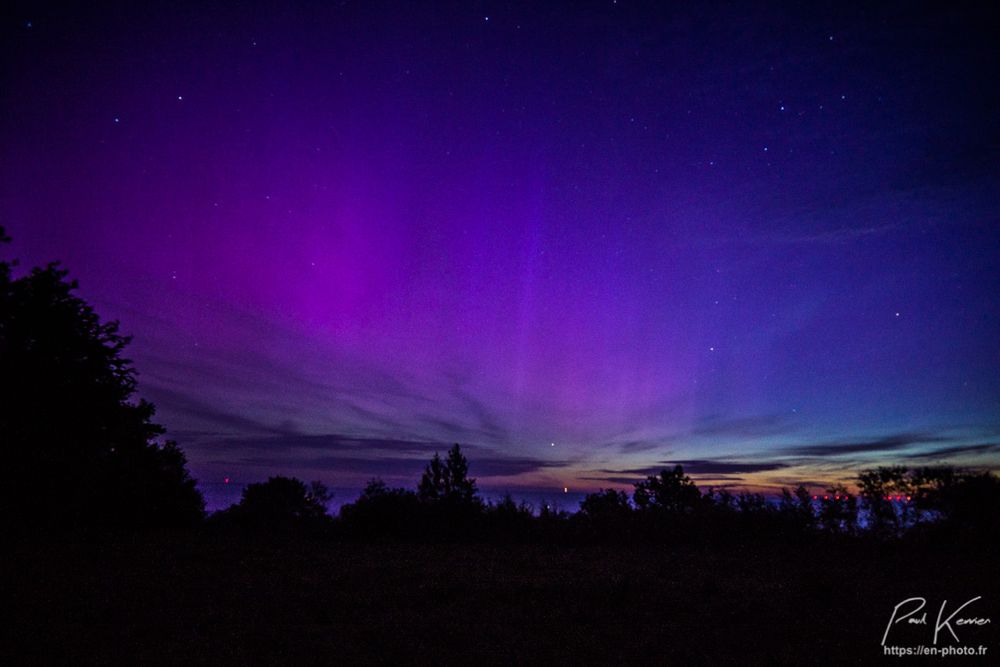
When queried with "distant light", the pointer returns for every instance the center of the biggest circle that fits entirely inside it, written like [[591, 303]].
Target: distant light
[[907, 498], [225, 480], [826, 497], [552, 444], [815, 497], [565, 489], [180, 97]]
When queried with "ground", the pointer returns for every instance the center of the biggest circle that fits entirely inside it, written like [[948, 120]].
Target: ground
[[238, 601]]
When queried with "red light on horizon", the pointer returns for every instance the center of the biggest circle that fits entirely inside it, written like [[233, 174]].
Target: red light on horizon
[[225, 480]]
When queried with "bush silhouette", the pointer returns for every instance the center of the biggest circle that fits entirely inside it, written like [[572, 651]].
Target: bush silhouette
[[381, 511], [838, 511], [796, 513], [80, 452], [281, 504], [606, 504], [966, 502], [508, 520], [670, 492], [878, 488]]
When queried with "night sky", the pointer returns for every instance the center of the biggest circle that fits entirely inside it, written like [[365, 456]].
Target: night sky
[[583, 240]]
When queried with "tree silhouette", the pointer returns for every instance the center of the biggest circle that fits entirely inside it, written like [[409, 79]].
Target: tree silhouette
[[838, 511], [280, 504], [79, 450], [606, 504], [448, 482], [382, 511], [962, 500], [431, 486], [796, 511], [878, 489], [459, 488], [670, 492]]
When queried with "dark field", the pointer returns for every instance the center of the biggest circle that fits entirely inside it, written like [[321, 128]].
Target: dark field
[[236, 602]]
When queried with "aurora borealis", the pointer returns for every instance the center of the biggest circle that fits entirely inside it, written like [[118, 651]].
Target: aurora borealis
[[583, 240]]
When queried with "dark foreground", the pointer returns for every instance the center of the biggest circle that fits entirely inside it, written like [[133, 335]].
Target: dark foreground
[[223, 601]]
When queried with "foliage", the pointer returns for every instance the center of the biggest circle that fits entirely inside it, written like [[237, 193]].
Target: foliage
[[606, 504], [381, 511], [448, 482], [281, 504], [80, 451], [879, 488], [670, 492], [838, 511]]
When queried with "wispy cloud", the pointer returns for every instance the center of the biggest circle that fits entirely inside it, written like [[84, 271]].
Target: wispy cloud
[[958, 450], [702, 467], [885, 444], [709, 467], [481, 467]]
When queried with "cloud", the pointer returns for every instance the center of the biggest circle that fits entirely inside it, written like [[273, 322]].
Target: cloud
[[399, 466], [983, 448], [638, 446], [888, 443], [696, 467], [206, 413], [611, 479], [709, 467], [325, 442]]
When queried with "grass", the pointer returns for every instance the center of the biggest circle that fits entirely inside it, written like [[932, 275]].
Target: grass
[[219, 601]]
